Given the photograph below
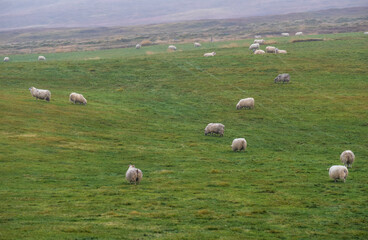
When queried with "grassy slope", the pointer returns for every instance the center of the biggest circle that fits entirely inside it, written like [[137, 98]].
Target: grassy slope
[[63, 165]]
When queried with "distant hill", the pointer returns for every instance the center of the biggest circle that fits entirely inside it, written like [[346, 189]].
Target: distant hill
[[96, 13]]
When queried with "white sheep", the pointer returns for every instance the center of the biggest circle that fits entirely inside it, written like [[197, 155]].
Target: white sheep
[[133, 175], [6, 59], [299, 34], [270, 49], [209, 54], [138, 46], [257, 36], [41, 58], [40, 93], [254, 46], [172, 47], [338, 172], [260, 41], [284, 77], [196, 44], [214, 128], [285, 34], [281, 51], [259, 51], [239, 144], [77, 98], [347, 158], [247, 103], [366, 33]]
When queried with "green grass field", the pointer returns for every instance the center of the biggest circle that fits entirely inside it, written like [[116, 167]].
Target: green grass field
[[62, 166]]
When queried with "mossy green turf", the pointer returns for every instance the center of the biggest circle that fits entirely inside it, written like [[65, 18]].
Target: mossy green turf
[[62, 166]]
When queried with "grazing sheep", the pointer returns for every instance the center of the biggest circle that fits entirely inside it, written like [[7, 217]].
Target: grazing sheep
[[239, 144], [41, 58], [215, 128], [260, 41], [77, 98], [285, 77], [281, 51], [285, 34], [254, 46], [209, 54], [133, 175], [259, 51], [138, 46], [40, 93], [366, 33], [338, 172], [299, 34], [172, 47], [6, 59], [247, 103], [270, 49], [347, 158], [196, 44], [257, 36]]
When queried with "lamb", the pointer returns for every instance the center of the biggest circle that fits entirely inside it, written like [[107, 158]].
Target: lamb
[[133, 175], [254, 46], [172, 47], [41, 58], [270, 49], [285, 34], [260, 41], [259, 51], [239, 144], [209, 54], [247, 103], [196, 44], [6, 59], [215, 128], [338, 172], [347, 158], [281, 51], [299, 34], [40, 93], [138, 46], [77, 98], [285, 77]]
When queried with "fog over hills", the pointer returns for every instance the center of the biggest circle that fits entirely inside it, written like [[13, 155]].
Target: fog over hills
[[94, 13]]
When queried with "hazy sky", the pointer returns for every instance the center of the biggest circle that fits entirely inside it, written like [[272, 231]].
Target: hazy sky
[[91, 13]]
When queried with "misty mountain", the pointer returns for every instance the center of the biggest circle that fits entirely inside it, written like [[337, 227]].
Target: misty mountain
[[97, 13]]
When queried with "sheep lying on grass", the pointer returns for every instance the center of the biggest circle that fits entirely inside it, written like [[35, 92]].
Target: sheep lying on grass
[[259, 51], [239, 144], [245, 103], [77, 98], [133, 175], [338, 172], [347, 158], [214, 128], [281, 51], [40, 93], [209, 54], [285, 77]]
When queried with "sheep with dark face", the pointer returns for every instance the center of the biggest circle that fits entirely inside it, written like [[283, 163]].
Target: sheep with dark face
[[133, 175], [214, 128], [285, 77], [40, 93]]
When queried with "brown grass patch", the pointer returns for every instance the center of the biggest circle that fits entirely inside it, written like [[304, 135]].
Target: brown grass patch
[[149, 53], [146, 43], [230, 45], [270, 42]]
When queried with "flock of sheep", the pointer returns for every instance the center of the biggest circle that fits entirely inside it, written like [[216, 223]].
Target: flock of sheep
[[134, 175]]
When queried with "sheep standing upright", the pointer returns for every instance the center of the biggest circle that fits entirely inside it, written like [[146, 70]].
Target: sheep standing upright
[[247, 103], [196, 44], [347, 158], [254, 46], [138, 46], [41, 58], [239, 144], [172, 47], [270, 49], [299, 34], [214, 128], [6, 59], [133, 175], [40, 93], [285, 34], [260, 41], [338, 172], [77, 98]]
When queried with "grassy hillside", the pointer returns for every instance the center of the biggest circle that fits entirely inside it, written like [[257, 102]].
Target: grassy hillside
[[63, 165]]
